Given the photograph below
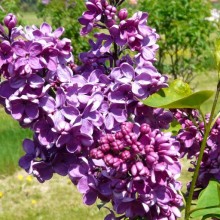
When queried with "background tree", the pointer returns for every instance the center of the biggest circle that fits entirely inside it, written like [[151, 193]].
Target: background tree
[[6, 7], [184, 35]]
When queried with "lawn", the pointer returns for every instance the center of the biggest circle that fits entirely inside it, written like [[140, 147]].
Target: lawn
[[23, 198], [11, 137], [30, 18]]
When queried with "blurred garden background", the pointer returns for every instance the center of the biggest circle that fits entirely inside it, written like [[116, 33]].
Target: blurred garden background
[[188, 31]]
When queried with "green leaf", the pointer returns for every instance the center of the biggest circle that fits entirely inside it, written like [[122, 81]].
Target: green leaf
[[208, 202], [211, 216], [178, 95], [206, 213], [174, 128], [101, 205]]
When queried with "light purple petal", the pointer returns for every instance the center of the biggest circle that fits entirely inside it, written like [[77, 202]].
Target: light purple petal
[[19, 48], [17, 110], [127, 70], [35, 49], [82, 185], [34, 63], [36, 81], [70, 112], [22, 61], [46, 28], [48, 104], [109, 121], [58, 32]]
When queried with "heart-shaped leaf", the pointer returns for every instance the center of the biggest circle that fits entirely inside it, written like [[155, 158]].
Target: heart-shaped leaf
[[178, 95], [208, 202]]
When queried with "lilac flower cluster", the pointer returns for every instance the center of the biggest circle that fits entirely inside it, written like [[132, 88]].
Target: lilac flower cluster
[[190, 138], [210, 166], [79, 114], [136, 169], [191, 134]]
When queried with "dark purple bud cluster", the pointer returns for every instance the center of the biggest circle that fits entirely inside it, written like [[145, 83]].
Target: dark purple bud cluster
[[142, 166]]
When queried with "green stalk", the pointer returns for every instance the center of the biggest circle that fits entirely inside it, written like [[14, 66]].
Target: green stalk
[[203, 145]]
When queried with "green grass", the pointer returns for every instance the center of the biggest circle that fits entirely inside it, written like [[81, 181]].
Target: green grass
[[30, 18], [26, 199], [11, 136]]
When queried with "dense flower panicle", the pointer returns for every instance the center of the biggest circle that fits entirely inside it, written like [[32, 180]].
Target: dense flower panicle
[[79, 114], [142, 166], [191, 134], [210, 166], [190, 138]]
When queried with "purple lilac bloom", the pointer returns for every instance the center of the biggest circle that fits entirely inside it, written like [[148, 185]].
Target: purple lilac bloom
[[27, 54], [211, 162], [209, 168], [98, 12], [190, 138], [191, 134], [142, 166], [79, 114]]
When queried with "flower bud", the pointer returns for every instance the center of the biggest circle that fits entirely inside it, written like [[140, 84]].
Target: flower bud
[[123, 168], [139, 166], [110, 137], [10, 21], [123, 14], [116, 162], [145, 128], [119, 135], [152, 157], [97, 154], [134, 170], [103, 140], [116, 146], [126, 155], [109, 159], [105, 147]]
